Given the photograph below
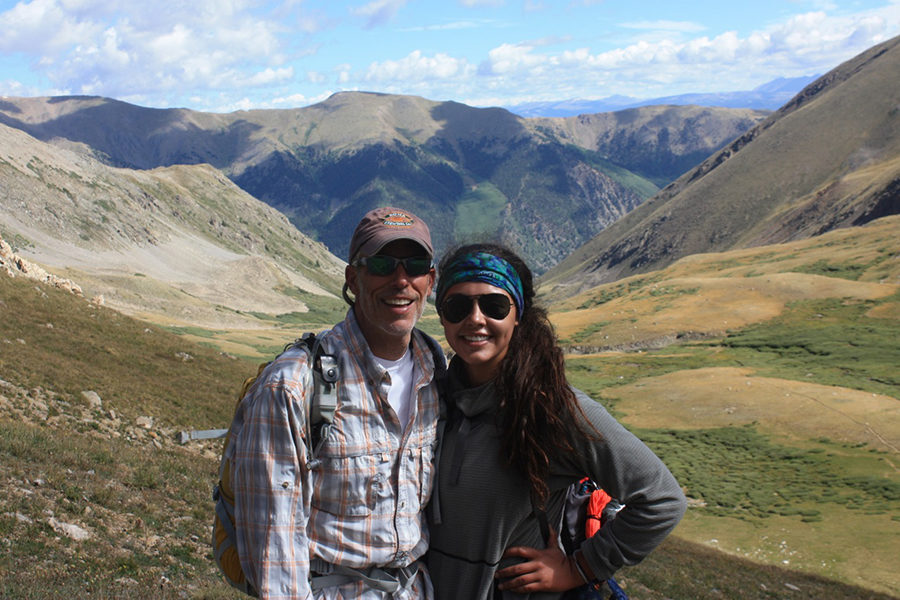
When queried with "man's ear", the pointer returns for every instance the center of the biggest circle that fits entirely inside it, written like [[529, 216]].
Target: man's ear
[[350, 279]]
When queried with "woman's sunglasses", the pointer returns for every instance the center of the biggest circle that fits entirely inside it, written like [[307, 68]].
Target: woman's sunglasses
[[385, 265], [458, 306]]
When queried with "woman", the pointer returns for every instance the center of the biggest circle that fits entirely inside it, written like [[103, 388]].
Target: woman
[[516, 436]]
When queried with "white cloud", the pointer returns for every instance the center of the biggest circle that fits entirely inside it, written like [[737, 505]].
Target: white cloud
[[451, 26], [11, 87], [316, 77], [292, 100], [378, 12], [42, 27], [268, 76], [803, 45], [343, 73], [477, 3], [513, 58], [120, 50], [243, 104], [418, 67]]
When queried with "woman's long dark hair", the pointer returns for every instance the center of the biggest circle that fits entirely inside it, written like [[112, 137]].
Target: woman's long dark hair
[[538, 413]]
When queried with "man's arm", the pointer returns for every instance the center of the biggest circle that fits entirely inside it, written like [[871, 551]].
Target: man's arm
[[271, 502]]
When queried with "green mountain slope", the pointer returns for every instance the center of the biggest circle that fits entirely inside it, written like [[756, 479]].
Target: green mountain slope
[[766, 379]]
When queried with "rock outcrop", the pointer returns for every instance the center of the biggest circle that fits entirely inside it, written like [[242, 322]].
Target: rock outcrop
[[15, 266]]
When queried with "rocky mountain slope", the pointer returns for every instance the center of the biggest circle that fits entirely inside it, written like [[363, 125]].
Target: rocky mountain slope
[[544, 185], [830, 158], [182, 242]]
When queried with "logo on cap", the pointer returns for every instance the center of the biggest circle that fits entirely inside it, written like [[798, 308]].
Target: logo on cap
[[398, 220]]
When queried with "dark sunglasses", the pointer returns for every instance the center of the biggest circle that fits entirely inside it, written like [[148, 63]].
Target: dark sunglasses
[[458, 306], [385, 265]]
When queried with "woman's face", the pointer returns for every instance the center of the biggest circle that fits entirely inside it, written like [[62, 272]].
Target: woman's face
[[480, 341]]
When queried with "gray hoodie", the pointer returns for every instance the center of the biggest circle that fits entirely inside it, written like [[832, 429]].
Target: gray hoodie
[[482, 506]]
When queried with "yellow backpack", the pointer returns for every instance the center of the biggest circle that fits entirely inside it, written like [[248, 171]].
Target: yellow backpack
[[324, 375]]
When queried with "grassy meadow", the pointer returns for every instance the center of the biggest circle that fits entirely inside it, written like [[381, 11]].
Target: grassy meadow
[[765, 378], [768, 383]]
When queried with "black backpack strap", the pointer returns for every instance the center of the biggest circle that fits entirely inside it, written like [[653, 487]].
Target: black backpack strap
[[440, 362], [440, 380], [325, 376], [323, 400]]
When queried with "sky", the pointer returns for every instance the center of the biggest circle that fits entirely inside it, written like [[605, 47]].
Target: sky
[[228, 55]]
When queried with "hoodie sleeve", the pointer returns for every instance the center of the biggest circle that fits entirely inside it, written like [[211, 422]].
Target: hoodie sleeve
[[630, 472]]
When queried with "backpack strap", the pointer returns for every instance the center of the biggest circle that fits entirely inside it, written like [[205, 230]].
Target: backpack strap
[[323, 376], [440, 361]]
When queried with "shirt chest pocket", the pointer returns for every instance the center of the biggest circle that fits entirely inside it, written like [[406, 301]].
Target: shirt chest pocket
[[423, 459], [354, 486]]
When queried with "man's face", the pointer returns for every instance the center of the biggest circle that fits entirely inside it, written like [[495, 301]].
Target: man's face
[[387, 307]]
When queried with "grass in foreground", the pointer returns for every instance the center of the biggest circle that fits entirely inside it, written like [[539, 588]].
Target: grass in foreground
[[51, 340]]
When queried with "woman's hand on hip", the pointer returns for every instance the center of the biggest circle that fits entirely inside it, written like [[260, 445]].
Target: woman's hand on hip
[[543, 570]]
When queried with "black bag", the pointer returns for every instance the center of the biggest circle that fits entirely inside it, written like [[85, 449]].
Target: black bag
[[586, 509]]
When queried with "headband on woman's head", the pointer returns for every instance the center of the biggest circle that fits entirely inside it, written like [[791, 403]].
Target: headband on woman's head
[[486, 268]]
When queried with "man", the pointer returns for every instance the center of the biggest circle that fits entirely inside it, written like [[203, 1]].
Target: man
[[348, 524]]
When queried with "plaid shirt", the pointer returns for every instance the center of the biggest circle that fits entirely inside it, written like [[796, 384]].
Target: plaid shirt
[[363, 505]]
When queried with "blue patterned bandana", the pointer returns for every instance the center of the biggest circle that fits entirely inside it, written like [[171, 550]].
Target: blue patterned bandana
[[486, 268]]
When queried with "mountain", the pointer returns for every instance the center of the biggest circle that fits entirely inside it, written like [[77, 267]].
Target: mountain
[[830, 158], [768, 96], [546, 187], [657, 143], [182, 242]]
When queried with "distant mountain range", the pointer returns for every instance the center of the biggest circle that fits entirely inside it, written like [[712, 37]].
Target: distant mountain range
[[829, 158], [545, 186], [768, 96]]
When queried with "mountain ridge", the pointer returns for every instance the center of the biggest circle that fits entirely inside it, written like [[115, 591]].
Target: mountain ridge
[[768, 96], [547, 185], [786, 178]]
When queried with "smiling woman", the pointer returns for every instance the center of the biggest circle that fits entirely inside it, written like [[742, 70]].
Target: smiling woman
[[517, 436]]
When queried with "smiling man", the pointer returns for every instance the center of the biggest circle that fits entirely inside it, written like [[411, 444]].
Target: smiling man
[[350, 523]]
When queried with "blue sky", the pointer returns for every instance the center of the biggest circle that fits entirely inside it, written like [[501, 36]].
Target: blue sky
[[225, 55]]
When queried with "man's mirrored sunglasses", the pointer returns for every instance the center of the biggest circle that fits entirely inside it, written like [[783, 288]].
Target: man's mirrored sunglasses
[[385, 265], [458, 306]]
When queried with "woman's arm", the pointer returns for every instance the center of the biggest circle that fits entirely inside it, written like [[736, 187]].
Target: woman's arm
[[630, 472]]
